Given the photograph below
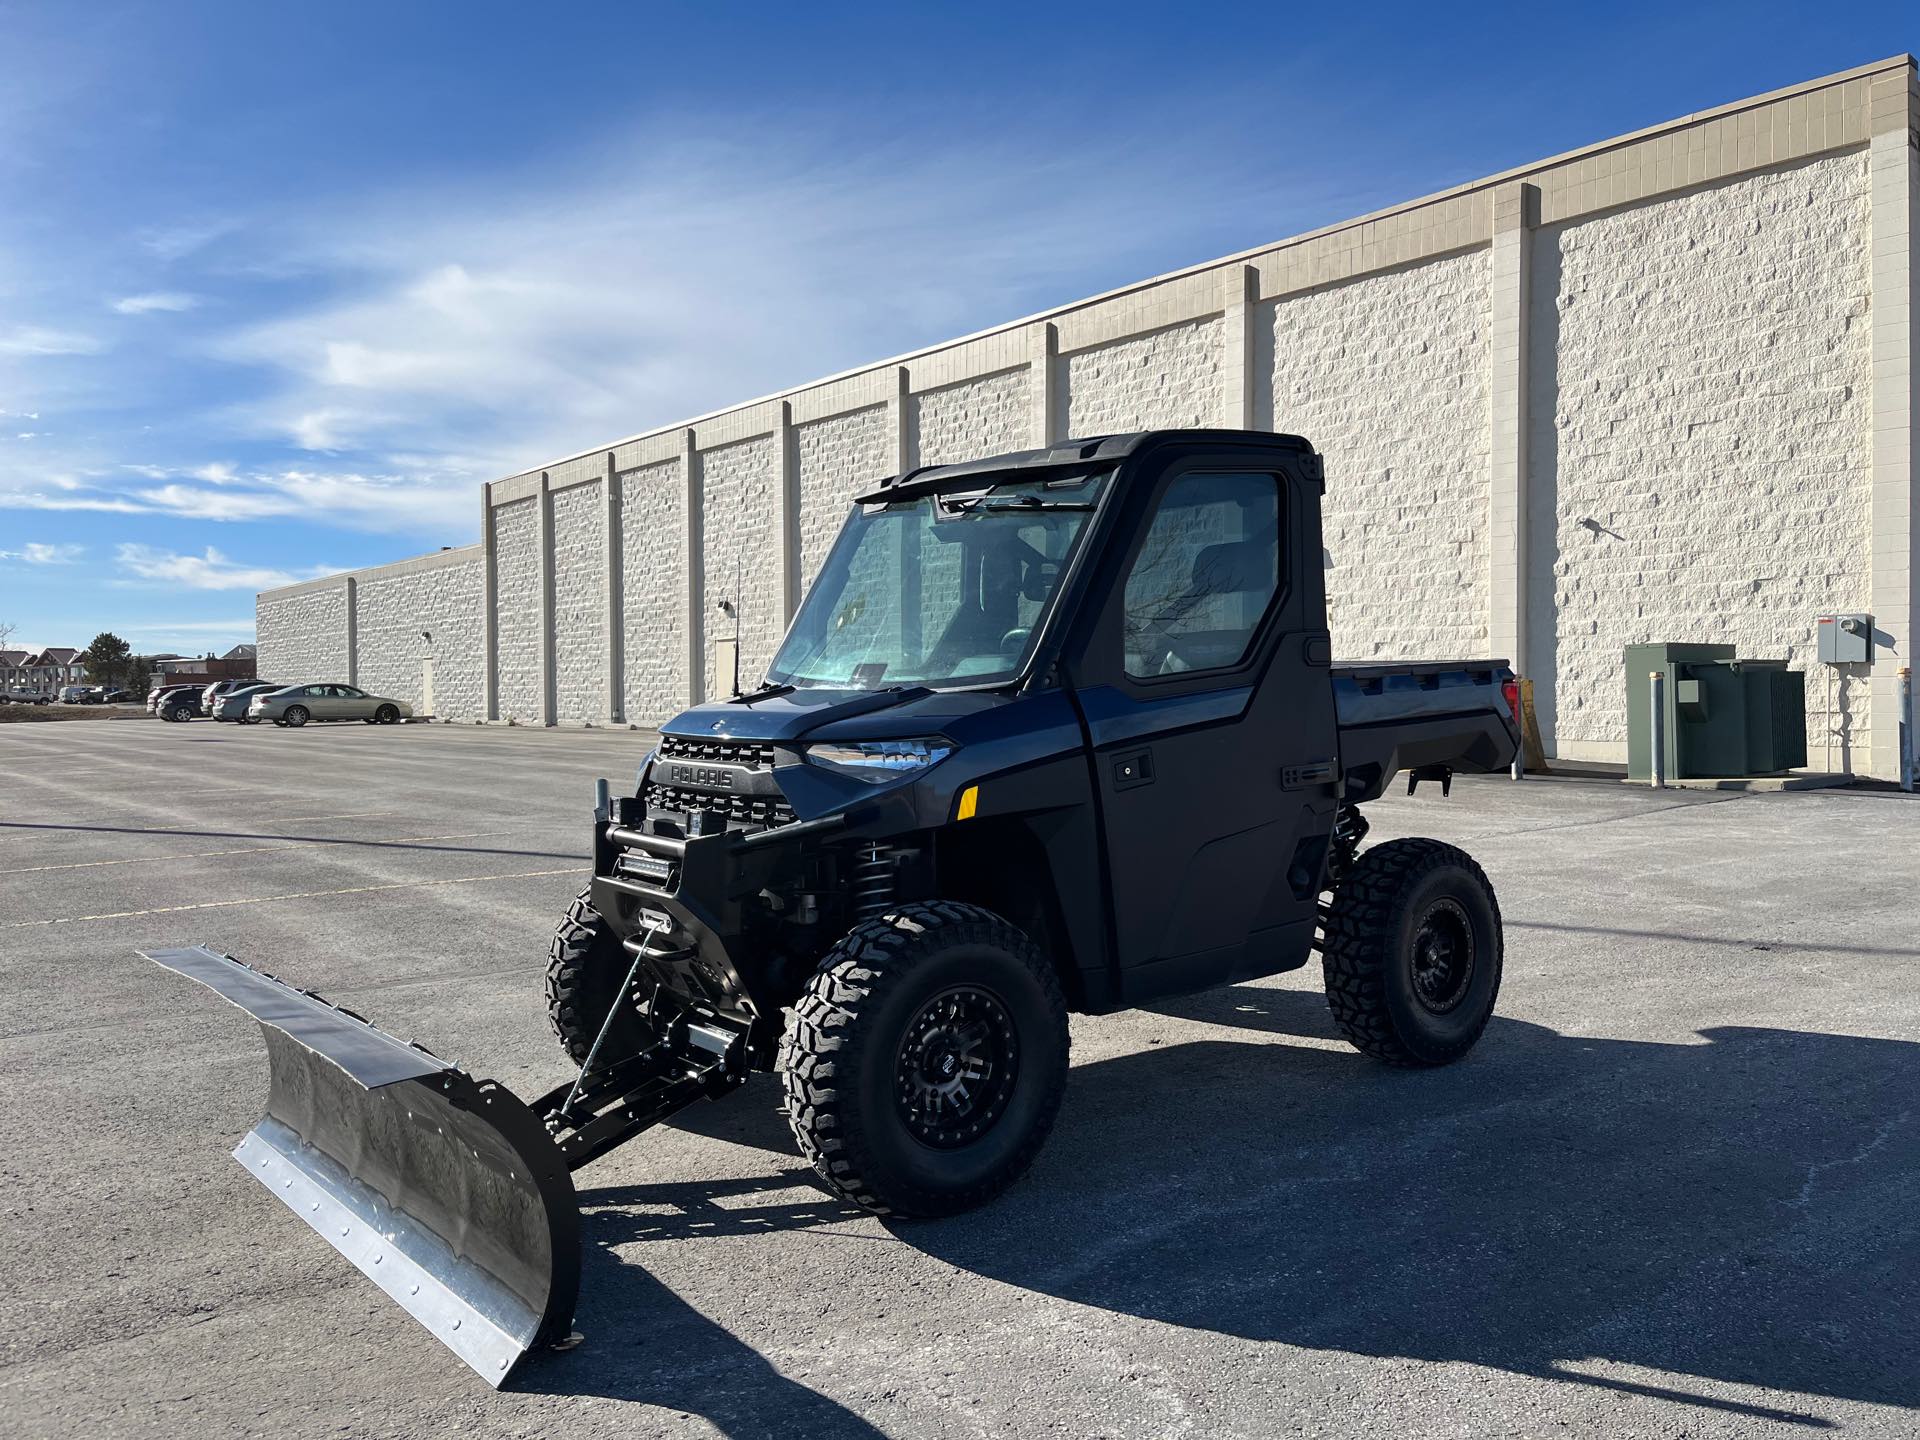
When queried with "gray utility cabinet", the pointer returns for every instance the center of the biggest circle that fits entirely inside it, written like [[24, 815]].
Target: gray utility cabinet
[[1723, 716]]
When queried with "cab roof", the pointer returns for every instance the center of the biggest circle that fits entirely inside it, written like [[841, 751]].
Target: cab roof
[[1068, 455]]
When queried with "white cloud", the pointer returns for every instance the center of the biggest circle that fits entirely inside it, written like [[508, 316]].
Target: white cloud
[[211, 571], [42, 340], [658, 286], [473, 330], [98, 504], [171, 301], [36, 553], [177, 242]]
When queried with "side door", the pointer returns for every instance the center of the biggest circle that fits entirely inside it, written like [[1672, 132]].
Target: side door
[[351, 704], [1209, 708], [322, 703]]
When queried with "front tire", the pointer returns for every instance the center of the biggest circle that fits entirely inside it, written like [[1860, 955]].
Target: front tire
[[586, 966], [1412, 953], [926, 1060], [386, 715], [297, 715]]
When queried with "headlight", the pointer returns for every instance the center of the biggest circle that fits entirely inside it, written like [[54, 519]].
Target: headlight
[[877, 761]]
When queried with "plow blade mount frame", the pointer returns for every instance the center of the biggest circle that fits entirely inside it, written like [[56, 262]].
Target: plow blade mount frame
[[446, 1191]]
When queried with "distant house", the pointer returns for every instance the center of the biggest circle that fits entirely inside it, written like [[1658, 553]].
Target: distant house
[[42, 672], [242, 652]]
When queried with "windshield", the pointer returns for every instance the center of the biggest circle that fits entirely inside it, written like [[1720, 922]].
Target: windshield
[[945, 590]]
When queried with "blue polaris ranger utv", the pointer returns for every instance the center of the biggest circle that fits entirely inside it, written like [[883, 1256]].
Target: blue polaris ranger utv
[[1052, 732]]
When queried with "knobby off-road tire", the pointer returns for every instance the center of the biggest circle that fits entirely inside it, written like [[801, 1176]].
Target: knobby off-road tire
[[926, 1060], [1412, 953], [586, 967]]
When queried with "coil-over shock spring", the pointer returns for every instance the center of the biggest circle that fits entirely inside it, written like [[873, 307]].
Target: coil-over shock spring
[[873, 880], [1349, 829]]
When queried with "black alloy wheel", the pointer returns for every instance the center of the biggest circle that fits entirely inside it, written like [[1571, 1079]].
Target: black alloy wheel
[[958, 1064]]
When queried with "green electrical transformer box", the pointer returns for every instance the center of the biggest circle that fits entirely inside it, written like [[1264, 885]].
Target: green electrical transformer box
[[1723, 716]]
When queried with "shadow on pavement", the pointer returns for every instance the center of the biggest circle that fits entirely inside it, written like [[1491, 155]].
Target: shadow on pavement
[[646, 1344], [1737, 1209]]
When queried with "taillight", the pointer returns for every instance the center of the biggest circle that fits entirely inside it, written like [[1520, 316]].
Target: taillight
[[1512, 691]]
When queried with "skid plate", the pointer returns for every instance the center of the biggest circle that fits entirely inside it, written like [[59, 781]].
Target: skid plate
[[444, 1190]]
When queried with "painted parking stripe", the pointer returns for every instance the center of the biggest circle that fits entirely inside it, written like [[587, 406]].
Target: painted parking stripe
[[300, 895], [64, 825], [254, 850]]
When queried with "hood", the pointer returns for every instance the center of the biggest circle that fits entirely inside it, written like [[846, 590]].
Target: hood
[[868, 714]]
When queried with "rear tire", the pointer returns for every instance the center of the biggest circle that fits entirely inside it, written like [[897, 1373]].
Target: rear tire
[[926, 1060], [297, 715], [177, 714], [586, 966], [1412, 953]]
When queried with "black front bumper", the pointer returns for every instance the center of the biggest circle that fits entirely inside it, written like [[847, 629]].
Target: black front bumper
[[685, 906]]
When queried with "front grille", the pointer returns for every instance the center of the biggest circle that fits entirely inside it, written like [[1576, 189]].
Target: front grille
[[754, 754], [748, 809]]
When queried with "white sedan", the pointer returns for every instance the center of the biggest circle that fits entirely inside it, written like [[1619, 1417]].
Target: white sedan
[[297, 704]]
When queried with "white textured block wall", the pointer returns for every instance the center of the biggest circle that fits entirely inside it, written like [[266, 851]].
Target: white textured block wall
[[516, 529], [653, 518], [1387, 377], [580, 603], [1700, 438], [302, 637], [838, 458], [988, 416], [1694, 350], [1172, 377], [742, 521], [396, 612]]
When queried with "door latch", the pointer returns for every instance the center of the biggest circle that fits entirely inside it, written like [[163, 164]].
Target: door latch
[[1314, 772], [1133, 769]]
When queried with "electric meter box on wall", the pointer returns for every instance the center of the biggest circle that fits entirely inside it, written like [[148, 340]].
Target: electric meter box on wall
[[1844, 640]]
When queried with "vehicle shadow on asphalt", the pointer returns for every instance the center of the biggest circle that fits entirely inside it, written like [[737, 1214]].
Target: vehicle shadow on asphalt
[[1737, 1209], [645, 1344]]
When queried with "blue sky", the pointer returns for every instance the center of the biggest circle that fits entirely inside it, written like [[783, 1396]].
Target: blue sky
[[281, 284]]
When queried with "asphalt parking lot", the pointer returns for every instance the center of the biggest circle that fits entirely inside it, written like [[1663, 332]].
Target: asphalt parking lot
[[1672, 1192]]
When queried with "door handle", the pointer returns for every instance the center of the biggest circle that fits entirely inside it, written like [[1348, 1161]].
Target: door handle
[[1133, 769], [1314, 772]]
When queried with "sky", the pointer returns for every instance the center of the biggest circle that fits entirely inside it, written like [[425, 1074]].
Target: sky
[[281, 284]]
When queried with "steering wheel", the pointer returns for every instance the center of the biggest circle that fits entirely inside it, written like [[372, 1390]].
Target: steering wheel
[[1015, 640]]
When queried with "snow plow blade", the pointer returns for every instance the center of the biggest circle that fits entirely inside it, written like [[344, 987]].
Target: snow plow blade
[[446, 1191]]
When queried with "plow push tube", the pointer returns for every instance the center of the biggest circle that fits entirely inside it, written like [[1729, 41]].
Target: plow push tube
[[445, 1191]]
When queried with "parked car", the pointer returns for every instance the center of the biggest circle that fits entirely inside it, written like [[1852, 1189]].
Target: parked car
[[74, 694], [180, 702], [28, 697], [233, 705], [154, 697], [297, 704], [101, 695], [218, 688]]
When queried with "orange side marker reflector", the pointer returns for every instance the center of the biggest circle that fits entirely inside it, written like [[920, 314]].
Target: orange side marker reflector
[[969, 802]]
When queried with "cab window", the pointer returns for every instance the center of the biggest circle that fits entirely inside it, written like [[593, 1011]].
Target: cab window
[[1205, 577]]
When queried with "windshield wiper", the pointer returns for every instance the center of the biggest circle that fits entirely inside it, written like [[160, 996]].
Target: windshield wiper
[[765, 692], [1015, 502]]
